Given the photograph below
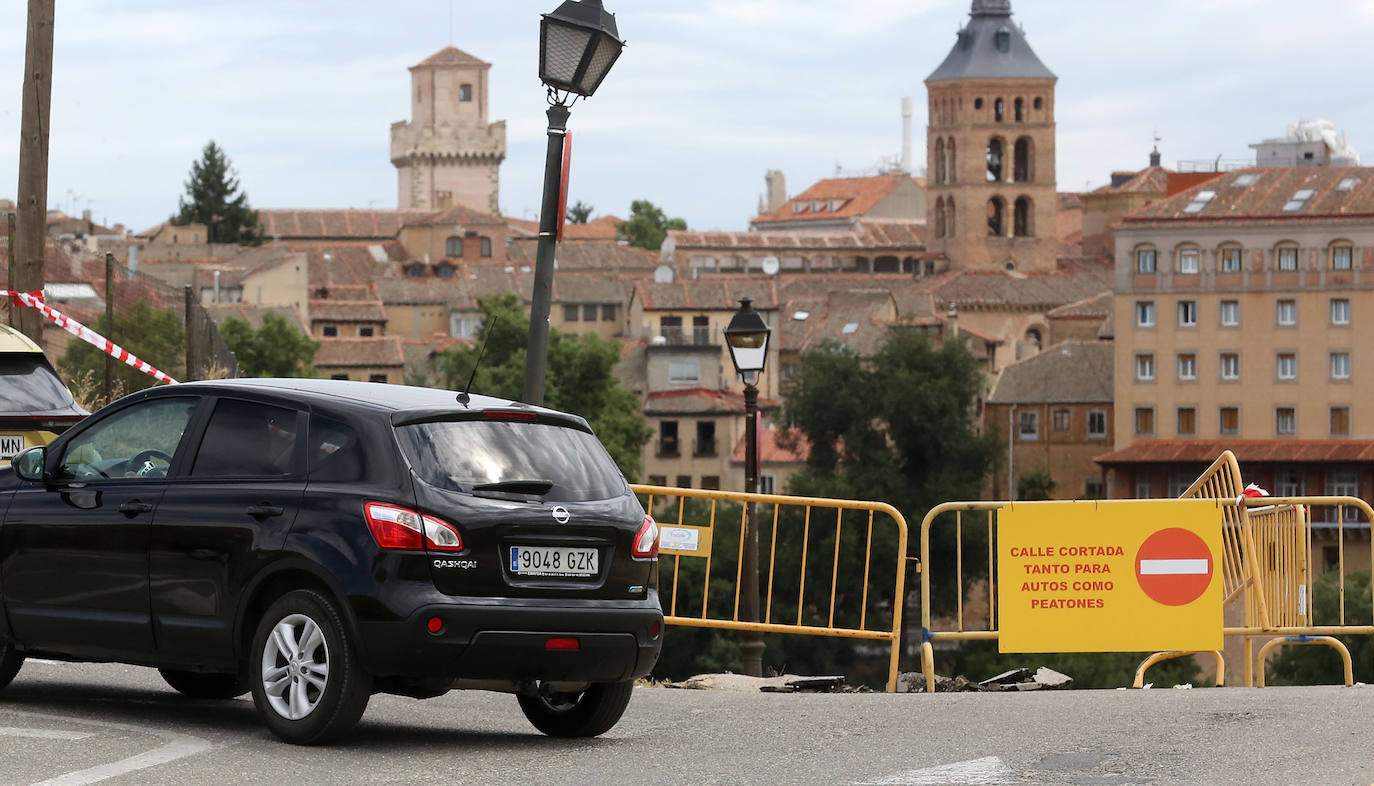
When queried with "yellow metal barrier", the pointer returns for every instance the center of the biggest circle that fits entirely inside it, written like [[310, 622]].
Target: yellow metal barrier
[[1326, 640], [781, 521]]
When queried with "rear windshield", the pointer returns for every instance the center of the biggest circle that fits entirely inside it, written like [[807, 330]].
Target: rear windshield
[[28, 384], [463, 454]]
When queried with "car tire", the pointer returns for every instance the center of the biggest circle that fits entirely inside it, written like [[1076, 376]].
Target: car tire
[[586, 714], [196, 685], [10, 663], [308, 683]]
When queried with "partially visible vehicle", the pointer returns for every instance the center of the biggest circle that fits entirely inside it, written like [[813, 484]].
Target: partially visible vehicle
[[35, 407], [316, 541]]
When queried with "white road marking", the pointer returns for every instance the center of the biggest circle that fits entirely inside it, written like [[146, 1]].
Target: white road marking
[[178, 746], [1173, 567], [42, 734], [987, 771]]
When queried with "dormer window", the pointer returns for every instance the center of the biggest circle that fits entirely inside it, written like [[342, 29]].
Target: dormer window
[[1299, 200], [1244, 181], [1003, 40], [817, 207], [836, 204], [1348, 184], [1200, 201], [801, 207]]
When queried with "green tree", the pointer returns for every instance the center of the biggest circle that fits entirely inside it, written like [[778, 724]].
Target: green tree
[[213, 198], [1036, 485], [1317, 664], [276, 349], [580, 213], [580, 378], [648, 225], [157, 336]]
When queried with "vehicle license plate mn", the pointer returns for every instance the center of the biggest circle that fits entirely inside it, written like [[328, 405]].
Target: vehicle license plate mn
[[11, 445], [553, 561]]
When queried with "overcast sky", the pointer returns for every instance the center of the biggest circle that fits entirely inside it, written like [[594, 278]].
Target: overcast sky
[[708, 95]]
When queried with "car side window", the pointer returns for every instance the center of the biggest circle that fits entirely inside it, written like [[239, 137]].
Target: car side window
[[247, 439], [137, 442], [335, 452]]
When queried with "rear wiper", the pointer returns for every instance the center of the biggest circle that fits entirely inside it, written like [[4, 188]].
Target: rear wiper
[[536, 488]]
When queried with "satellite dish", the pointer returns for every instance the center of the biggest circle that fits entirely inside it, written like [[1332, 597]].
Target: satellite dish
[[663, 275], [771, 266]]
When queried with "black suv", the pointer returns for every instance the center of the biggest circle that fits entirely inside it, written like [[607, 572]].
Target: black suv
[[317, 541]]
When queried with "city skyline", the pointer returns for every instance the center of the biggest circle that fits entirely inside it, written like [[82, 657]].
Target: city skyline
[[707, 97]]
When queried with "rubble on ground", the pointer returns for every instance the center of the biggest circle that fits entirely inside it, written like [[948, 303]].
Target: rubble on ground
[[1014, 680], [785, 683]]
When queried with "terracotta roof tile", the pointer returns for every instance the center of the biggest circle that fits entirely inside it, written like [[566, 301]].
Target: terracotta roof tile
[[777, 446], [347, 311], [1096, 307], [334, 224], [871, 233], [712, 294], [1268, 196], [856, 195], [701, 401], [586, 255], [382, 351], [1073, 372], [253, 314], [1247, 451], [450, 55]]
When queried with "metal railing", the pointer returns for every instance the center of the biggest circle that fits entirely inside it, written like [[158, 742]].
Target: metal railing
[[814, 556]]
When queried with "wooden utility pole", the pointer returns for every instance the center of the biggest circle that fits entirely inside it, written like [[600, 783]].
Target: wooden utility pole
[[32, 196]]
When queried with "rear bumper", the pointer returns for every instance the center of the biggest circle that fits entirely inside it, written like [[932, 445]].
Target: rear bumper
[[508, 640]]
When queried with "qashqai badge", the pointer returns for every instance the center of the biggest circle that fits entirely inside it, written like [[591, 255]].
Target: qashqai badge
[[561, 515]]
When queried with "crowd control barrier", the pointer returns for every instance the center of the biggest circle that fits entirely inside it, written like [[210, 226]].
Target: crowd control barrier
[[814, 557], [1265, 572]]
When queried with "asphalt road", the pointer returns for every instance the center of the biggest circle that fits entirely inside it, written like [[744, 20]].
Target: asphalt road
[[76, 724]]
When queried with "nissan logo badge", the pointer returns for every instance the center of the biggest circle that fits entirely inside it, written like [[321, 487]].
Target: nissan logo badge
[[561, 515]]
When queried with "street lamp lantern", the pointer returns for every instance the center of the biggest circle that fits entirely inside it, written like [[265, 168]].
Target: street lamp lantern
[[578, 45], [748, 337]]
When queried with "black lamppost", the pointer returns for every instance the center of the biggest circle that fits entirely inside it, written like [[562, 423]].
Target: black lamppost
[[747, 337], [578, 44]]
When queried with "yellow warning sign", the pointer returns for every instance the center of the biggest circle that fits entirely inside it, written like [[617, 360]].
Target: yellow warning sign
[[1118, 576]]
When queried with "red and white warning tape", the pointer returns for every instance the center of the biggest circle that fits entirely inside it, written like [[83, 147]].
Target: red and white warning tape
[[35, 300]]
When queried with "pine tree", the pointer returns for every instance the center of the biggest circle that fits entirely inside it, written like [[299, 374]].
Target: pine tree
[[213, 198]]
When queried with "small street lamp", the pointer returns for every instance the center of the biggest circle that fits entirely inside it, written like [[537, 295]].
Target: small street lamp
[[578, 44], [747, 337]]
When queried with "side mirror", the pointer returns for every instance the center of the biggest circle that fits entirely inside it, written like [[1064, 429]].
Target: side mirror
[[29, 464]]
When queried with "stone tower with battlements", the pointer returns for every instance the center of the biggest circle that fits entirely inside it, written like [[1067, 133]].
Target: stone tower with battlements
[[448, 154], [990, 180]]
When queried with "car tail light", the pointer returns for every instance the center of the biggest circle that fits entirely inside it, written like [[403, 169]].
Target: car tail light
[[395, 527], [646, 540], [564, 645]]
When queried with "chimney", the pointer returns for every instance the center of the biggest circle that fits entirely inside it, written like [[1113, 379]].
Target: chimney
[[133, 260], [777, 190], [906, 134], [953, 319]]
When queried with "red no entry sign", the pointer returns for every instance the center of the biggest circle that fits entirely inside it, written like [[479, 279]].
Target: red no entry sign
[[1174, 567]]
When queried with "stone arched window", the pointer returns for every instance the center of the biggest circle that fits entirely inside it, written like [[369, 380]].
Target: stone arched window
[[1020, 110], [1039, 103], [1188, 259], [939, 161], [996, 158], [415, 270], [1286, 257], [486, 246], [1341, 255], [1023, 222], [1146, 259], [453, 247], [951, 225], [444, 270], [999, 109], [1035, 338], [1228, 258], [940, 217], [997, 217], [1023, 171], [952, 170]]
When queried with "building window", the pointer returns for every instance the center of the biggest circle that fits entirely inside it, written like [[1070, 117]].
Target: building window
[[338, 376], [706, 438], [1286, 313], [658, 480], [1145, 313], [1285, 421], [416, 270], [465, 92], [1229, 311], [1230, 366], [710, 482], [1340, 311], [1029, 428], [329, 331], [1187, 313], [667, 438], [1340, 421], [1287, 259], [1093, 488], [1187, 421], [367, 331], [1022, 170], [1340, 366], [608, 313], [377, 378], [1288, 483], [571, 313], [1229, 421], [589, 312], [684, 372], [768, 484], [1144, 421], [1188, 261], [1342, 258], [1145, 367], [453, 247], [1097, 424], [486, 246], [1342, 483], [1023, 218], [1142, 486], [1230, 260], [671, 330], [1187, 367], [444, 270], [1286, 366], [684, 481], [459, 326], [1145, 260], [1061, 420]]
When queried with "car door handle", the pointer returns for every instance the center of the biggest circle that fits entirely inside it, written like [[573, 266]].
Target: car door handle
[[264, 509], [134, 507]]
